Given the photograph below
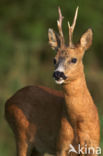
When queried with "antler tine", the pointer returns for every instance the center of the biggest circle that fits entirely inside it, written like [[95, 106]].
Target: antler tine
[[59, 23], [71, 28]]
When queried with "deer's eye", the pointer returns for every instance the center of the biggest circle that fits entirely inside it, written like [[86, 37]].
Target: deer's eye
[[73, 60], [54, 61]]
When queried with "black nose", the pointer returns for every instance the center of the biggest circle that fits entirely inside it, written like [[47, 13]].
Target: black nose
[[57, 75]]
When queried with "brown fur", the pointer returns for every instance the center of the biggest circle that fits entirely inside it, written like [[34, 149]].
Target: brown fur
[[36, 115]]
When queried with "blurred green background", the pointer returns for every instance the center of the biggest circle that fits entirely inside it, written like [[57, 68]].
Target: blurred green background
[[27, 59]]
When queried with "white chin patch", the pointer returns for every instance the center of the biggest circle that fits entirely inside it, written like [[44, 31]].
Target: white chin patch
[[59, 81]]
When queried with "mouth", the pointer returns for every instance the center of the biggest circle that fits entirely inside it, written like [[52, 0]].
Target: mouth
[[60, 81]]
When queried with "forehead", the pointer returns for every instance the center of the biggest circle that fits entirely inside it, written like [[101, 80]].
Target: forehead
[[68, 52]]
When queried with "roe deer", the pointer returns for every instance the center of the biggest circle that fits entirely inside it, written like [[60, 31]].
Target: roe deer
[[38, 118], [69, 71]]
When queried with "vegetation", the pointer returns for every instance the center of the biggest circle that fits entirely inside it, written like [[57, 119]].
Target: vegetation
[[26, 58]]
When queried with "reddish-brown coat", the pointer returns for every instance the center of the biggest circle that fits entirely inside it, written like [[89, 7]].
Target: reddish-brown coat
[[36, 115]]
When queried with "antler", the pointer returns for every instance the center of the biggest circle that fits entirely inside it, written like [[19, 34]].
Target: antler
[[59, 24], [71, 28]]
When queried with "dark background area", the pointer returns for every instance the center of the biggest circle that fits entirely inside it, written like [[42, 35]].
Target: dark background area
[[27, 59]]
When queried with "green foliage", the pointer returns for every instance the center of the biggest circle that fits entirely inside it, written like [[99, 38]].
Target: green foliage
[[26, 58]]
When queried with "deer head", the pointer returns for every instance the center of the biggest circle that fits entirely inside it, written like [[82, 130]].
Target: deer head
[[68, 59]]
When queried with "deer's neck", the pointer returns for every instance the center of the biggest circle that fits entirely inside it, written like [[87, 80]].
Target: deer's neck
[[77, 97], [75, 87]]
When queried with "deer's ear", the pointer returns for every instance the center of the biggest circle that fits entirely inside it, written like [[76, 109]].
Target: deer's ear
[[86, 39], [53, 39]]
